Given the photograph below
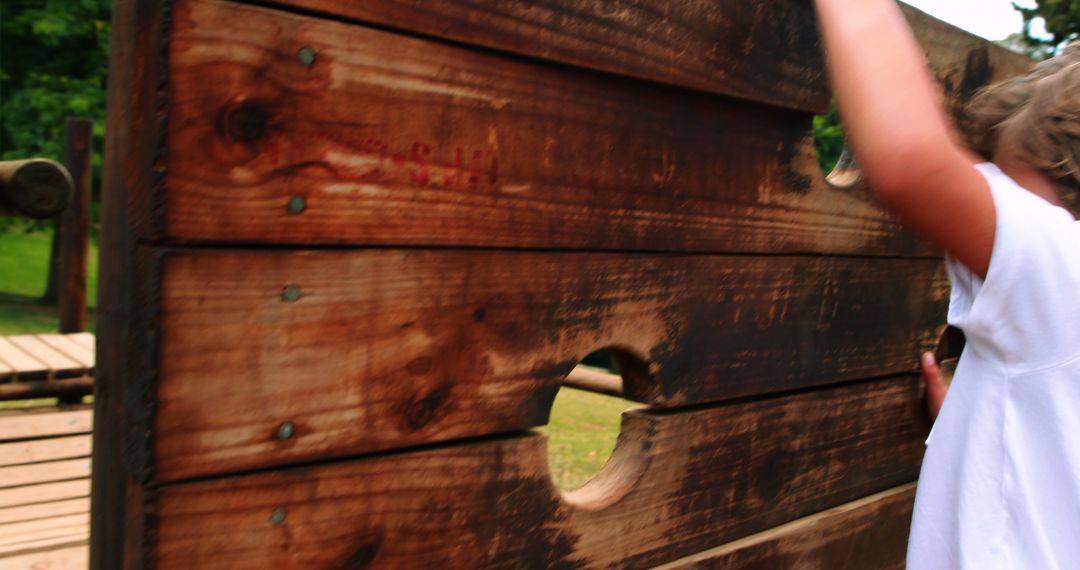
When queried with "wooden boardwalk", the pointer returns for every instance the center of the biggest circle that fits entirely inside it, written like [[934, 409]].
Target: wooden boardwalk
[[46, 364], [45, 454]]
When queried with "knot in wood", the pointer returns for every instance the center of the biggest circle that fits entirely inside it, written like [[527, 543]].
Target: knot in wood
[[245, 122]]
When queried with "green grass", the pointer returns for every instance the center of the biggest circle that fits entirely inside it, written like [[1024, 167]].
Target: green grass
[[24, 261], [581, 435]]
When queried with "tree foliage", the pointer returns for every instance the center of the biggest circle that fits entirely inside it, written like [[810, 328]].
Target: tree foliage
[[1062, 19], [53, 65]]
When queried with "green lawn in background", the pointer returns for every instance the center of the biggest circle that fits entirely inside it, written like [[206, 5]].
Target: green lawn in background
[[24, 260], [581, 435]]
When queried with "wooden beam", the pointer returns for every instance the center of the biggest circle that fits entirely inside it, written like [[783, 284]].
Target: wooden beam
[[65, 388], [34, 187], [585, 378], [74, 227], [35, 424], [677, 483], [867, 534], [387, 139], [369, 350], [761, 51]]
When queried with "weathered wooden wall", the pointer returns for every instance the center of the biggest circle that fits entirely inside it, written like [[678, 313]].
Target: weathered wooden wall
[[351, 250]]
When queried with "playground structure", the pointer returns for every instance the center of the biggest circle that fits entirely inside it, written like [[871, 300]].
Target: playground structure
[[351, 250]]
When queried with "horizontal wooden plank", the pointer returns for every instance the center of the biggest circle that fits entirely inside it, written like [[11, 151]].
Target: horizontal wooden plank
[[74, 350], [27, 424], [74, 557], [84, 339], [17, 537], [593, 380], [868, 534], [57, 388], [20, 475], [387, 348], [393, 140], [18, 360], [38, 450], [45, 492], [53, 359], [44, 510], [677, 483], [763, 50]]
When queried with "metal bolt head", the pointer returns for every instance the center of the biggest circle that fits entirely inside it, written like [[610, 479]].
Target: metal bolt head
[[306, 56], [291, 293], [277, 516], [297, 204], [286, 430]]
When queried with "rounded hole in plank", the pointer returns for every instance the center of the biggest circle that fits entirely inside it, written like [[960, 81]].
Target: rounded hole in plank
[[834, 155], [949, 346], [586, 461]]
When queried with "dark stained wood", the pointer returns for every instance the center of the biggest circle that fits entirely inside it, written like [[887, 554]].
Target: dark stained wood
[[34, 187], [123, 397], [764, 51], [868, 534], [677, 483], [392, 140], [74, 227], [388, 348], [68, 389]]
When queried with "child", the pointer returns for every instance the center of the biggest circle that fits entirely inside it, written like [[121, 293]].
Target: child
[[1000, 483]]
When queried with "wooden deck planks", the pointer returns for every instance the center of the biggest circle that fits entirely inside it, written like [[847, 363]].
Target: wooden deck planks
[[77, 351], [46, 510], [53, 359], [45, 356], [18, 360], [19, 475], [59, 557], [28, 425], [36, 451], [45, 492]]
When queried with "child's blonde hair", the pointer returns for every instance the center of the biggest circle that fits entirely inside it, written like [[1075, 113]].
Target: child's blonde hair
[[1034, 119]]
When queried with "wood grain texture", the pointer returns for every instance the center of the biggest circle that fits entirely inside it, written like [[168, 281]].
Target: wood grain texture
[[43, 493], [73, 557], [764, 51], [390, 348], [393, 140], [39, 450], [46, 423], [868, 534], [677, 483]]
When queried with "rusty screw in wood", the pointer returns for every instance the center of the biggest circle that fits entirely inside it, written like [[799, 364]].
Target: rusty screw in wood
[[286, 430], [290, 294], [306, 56], [297, 204], [277, 516]]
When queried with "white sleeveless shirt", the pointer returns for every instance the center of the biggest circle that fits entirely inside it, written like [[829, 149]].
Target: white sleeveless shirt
[[1000, 482]]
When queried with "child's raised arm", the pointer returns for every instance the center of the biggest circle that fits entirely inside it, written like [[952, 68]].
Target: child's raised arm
[[897, 126]]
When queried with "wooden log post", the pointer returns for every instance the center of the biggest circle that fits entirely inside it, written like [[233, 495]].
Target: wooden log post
[[33, 188], [74, 227]]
